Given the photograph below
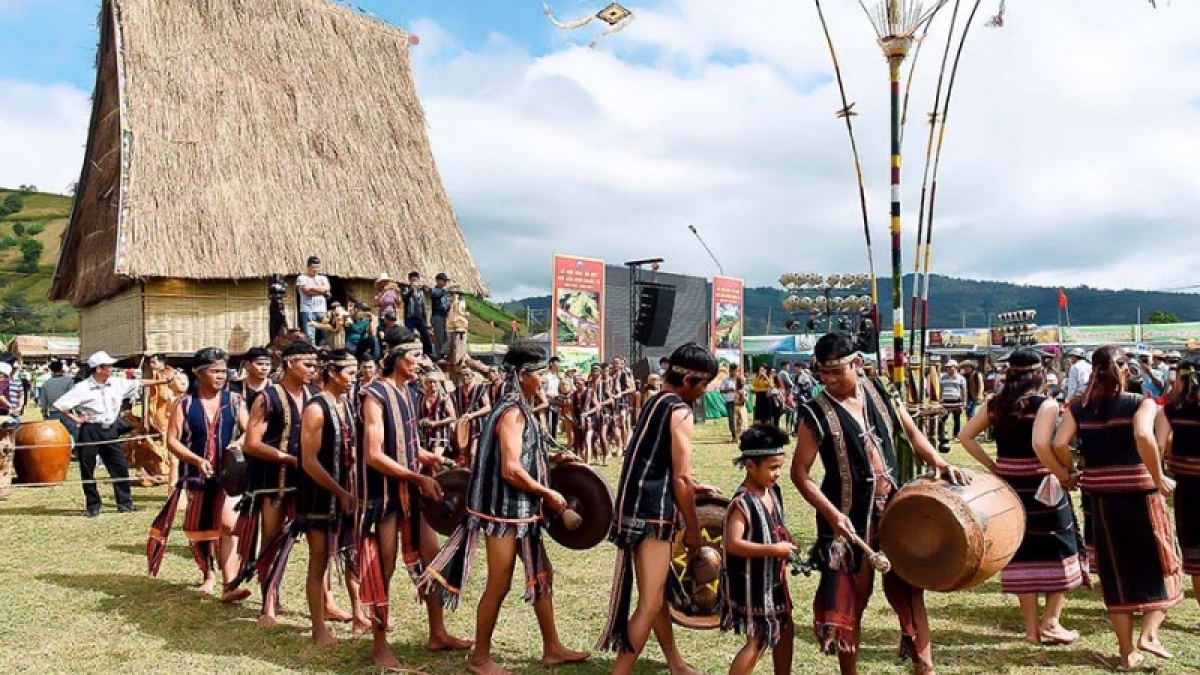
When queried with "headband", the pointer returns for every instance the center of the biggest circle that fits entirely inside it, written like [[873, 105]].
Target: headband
[[845, 360], [533, 367], [342, 363], [759, 453], [408, 346], [688, 372], [1025, 369], [199, 369]]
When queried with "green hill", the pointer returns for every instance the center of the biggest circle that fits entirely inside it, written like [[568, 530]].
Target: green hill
[[32, 224]]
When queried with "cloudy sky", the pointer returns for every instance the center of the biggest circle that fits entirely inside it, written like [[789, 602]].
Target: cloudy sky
[[1072, 152]]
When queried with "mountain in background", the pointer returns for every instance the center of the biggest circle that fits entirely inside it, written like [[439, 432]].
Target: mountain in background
[[955, 303]]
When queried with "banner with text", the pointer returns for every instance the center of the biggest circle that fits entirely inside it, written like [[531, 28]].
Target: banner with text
[[727, 318], [577, 325]]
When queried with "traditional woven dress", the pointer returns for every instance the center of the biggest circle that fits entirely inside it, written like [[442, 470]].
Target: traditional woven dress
[[381, 496], [861, 476], [755, 600], [1184, 463], [1136, 552], [316, 506], [205, 437], [496, 508], [1048, 559], [645, 507]]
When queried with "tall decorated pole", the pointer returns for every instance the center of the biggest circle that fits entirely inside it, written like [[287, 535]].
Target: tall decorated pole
[[896, 49]]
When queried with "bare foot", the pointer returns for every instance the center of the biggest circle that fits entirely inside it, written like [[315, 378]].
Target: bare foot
[[324, 640], [561, 655], [206, 588], [381, 655], [335, 613], [486, 666], [266, 621], [361, 626], [1059, 636], [236, 595], [1131, 662], [685, 669], [447, 642], [1154, 647]]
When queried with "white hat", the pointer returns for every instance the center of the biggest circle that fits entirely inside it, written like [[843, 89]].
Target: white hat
[[5, 369], [952, 363], [383, 279], [1077, 352], [100, 358]]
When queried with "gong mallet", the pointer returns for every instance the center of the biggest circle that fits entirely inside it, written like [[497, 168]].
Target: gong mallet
[[878, 560]]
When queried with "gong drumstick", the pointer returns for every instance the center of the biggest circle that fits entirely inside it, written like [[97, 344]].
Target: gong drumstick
[[570, 519], [878, 560]]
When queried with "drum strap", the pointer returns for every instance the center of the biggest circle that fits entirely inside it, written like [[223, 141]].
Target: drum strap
[[839, 446]]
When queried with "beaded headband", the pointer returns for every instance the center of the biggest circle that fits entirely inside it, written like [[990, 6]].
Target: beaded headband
[[1025, 369], [342, 363], [534, 367], [845, 360], [408, 346], [688, 372], [758, 453]]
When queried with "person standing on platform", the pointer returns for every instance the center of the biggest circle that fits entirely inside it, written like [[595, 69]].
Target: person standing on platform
[[312, 287], [439, 300], [95, 405], [415, 313]]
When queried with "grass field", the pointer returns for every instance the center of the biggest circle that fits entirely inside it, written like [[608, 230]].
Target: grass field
[[75, 598]]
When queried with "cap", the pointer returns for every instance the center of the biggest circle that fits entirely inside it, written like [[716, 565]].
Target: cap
[[441, 276], [314, 260], [952, 363], [1077, 352], [100, 358]]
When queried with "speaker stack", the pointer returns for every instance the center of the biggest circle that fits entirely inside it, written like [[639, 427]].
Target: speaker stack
[[656, 306]]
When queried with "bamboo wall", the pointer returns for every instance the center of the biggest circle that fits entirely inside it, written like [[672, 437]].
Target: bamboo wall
[[115, 325], [182, 316]]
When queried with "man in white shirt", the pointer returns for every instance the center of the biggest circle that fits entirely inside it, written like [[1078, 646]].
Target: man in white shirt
[[95, 405], [954, 393], [550, 382], [312, 287], [1078, 376]]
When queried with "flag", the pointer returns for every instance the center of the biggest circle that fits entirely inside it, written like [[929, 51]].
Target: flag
[[1062, 299]]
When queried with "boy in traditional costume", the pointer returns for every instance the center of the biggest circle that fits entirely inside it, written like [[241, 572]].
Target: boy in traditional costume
[[506, 499], [326, 495], [655, 491], [850, 426], [755, 601], [389, 516], [200, 427]]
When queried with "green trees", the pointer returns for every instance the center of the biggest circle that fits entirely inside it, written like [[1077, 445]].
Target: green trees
[[31, 254]]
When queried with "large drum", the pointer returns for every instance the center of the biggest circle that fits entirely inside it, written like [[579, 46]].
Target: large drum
[[43, 452], [693, 603], [944, 537]]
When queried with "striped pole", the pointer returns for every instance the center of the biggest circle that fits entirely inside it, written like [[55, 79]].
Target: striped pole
[[895, 57]]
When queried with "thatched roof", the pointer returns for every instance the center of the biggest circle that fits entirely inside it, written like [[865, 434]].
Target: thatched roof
[[38, 346], [231, 139]]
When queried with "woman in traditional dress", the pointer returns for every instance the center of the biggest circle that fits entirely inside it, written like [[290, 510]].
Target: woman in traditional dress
[[1022, 421], [1178, 432], [1137, 556]]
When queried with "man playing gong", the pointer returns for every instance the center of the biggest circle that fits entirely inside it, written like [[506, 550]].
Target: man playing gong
[[507, 496], [850, 425], [655, 491]]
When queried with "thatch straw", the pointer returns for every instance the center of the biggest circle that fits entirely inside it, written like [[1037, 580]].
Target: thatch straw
[[257, 133]]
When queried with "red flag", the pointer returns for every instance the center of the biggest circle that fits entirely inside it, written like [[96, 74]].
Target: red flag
[[1062, 299]]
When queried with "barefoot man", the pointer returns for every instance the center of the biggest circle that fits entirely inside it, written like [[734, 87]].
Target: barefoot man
[[326, 502], [389, 515], [505, 500], [655, 491], [200, 427], [272, 447], [850, 427]]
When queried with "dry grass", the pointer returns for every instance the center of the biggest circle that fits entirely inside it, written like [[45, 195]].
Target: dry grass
[[290, 125], [76, 598]]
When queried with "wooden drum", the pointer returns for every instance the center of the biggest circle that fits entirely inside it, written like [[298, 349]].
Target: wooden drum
[[944, 537], [43, 452]]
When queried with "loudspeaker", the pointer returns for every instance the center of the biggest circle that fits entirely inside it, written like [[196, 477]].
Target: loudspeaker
[[656, 305]]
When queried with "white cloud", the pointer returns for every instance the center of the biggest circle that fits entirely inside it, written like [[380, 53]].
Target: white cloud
[[1072, 155], [1073, 129], [43, 129]]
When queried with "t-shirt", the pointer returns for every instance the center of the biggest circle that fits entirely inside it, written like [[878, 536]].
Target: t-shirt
[[729, 389], [311, 304], [954, 388], [440, 298], [550, 384]]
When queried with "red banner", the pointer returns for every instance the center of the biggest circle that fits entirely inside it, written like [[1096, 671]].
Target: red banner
[[727, 319], [577, 324]]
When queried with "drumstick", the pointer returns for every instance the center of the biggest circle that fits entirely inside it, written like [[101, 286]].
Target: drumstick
[[571, 519], [878, 560]]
